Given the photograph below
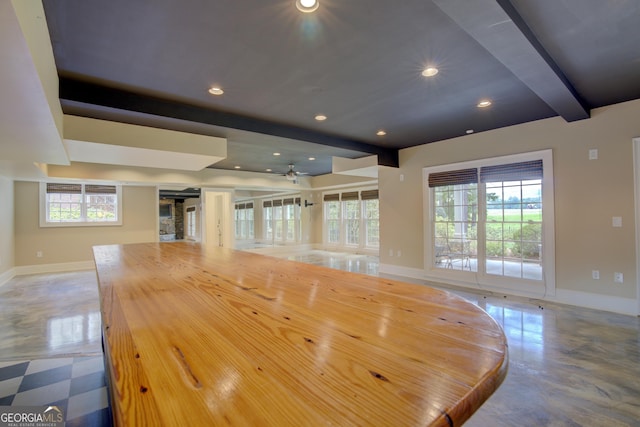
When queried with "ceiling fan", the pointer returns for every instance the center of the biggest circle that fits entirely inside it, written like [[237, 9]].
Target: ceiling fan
[[292, 175]]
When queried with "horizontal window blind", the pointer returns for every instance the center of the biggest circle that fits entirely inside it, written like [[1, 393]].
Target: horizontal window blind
[[287, 202], [351, 195], [369, 195], [191, 209], [331, 197], [456, 177], [512, 172], [64, 188], [250, 205], [297, 201], [99, 189], [277, 203], [241, 206], [267, 204]]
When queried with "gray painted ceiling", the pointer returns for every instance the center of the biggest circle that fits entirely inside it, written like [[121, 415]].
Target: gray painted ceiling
[[359, 62]]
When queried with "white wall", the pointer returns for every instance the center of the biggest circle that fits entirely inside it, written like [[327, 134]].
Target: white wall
[[6, 229]]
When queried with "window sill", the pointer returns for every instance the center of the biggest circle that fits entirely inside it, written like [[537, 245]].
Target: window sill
[[79, 224]]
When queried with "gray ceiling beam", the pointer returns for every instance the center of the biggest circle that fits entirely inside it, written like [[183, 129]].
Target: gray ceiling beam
[[497, 26], [99, 95]]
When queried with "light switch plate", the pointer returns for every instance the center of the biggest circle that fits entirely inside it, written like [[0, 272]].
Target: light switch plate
[[616, 221], [593, 154]]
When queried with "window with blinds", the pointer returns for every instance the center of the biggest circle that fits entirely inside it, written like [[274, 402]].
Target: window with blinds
[[80, 204], [351, 219], [244, 221], [490, 219], [281, 220]]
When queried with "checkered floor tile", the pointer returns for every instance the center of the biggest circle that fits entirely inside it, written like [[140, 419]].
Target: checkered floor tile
[[75, 384]]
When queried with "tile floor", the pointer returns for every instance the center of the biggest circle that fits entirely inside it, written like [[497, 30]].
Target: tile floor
[[76, 385], [567, 366]]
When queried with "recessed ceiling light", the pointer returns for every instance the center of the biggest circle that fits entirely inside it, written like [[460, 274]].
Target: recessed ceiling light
[[321, 117], [381, 133], [430, 72], [236, 167], [312, 158], [216, 91], [484, 103], [307, 6], [276, 154], [469, 131]]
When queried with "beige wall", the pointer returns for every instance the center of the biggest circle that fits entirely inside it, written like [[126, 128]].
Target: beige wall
[[6, 226], [73, 244], [308, 219], [588, 193], [315, 217]]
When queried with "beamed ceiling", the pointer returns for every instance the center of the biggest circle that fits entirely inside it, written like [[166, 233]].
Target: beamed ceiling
[[358, 62]]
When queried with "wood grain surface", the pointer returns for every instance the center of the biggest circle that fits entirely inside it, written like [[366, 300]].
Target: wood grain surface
[[199, 335]]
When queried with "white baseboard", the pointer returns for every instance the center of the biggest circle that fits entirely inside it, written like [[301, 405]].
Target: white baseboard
[[54, 268], [597, 301], [277, 249], [562, 296], [7, 275], [395, 270]]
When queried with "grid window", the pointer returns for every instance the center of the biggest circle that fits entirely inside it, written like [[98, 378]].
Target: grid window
[[244, 221], [514, 228], [372, 223], [352, 219], [332, 213], [267, 214], [282, 220], [64, 207], [455, 226], [352, 222], [278, 223], [80, 204], [290, 218], [191, 221], [489, 218]]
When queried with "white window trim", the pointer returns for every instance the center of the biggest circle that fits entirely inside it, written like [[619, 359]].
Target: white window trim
[[297, 221], [246, 222], [325, 229], [43, 210], [518, 286], [361, 246]]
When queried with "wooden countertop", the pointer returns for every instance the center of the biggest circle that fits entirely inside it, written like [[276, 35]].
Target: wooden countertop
[[212, 336]]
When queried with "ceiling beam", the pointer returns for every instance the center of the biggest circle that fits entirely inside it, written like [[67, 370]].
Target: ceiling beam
[[95, 94], [497, 26]]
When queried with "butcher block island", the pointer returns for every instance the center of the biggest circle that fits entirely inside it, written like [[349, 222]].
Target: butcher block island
[[198, 335]]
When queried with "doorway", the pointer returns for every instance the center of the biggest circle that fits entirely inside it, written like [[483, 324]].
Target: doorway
[[217, 218], [179, 214]]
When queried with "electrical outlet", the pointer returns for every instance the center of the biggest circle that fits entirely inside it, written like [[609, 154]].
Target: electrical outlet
[[39, 254], [593, 154], [618, 277], [595, 274]]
